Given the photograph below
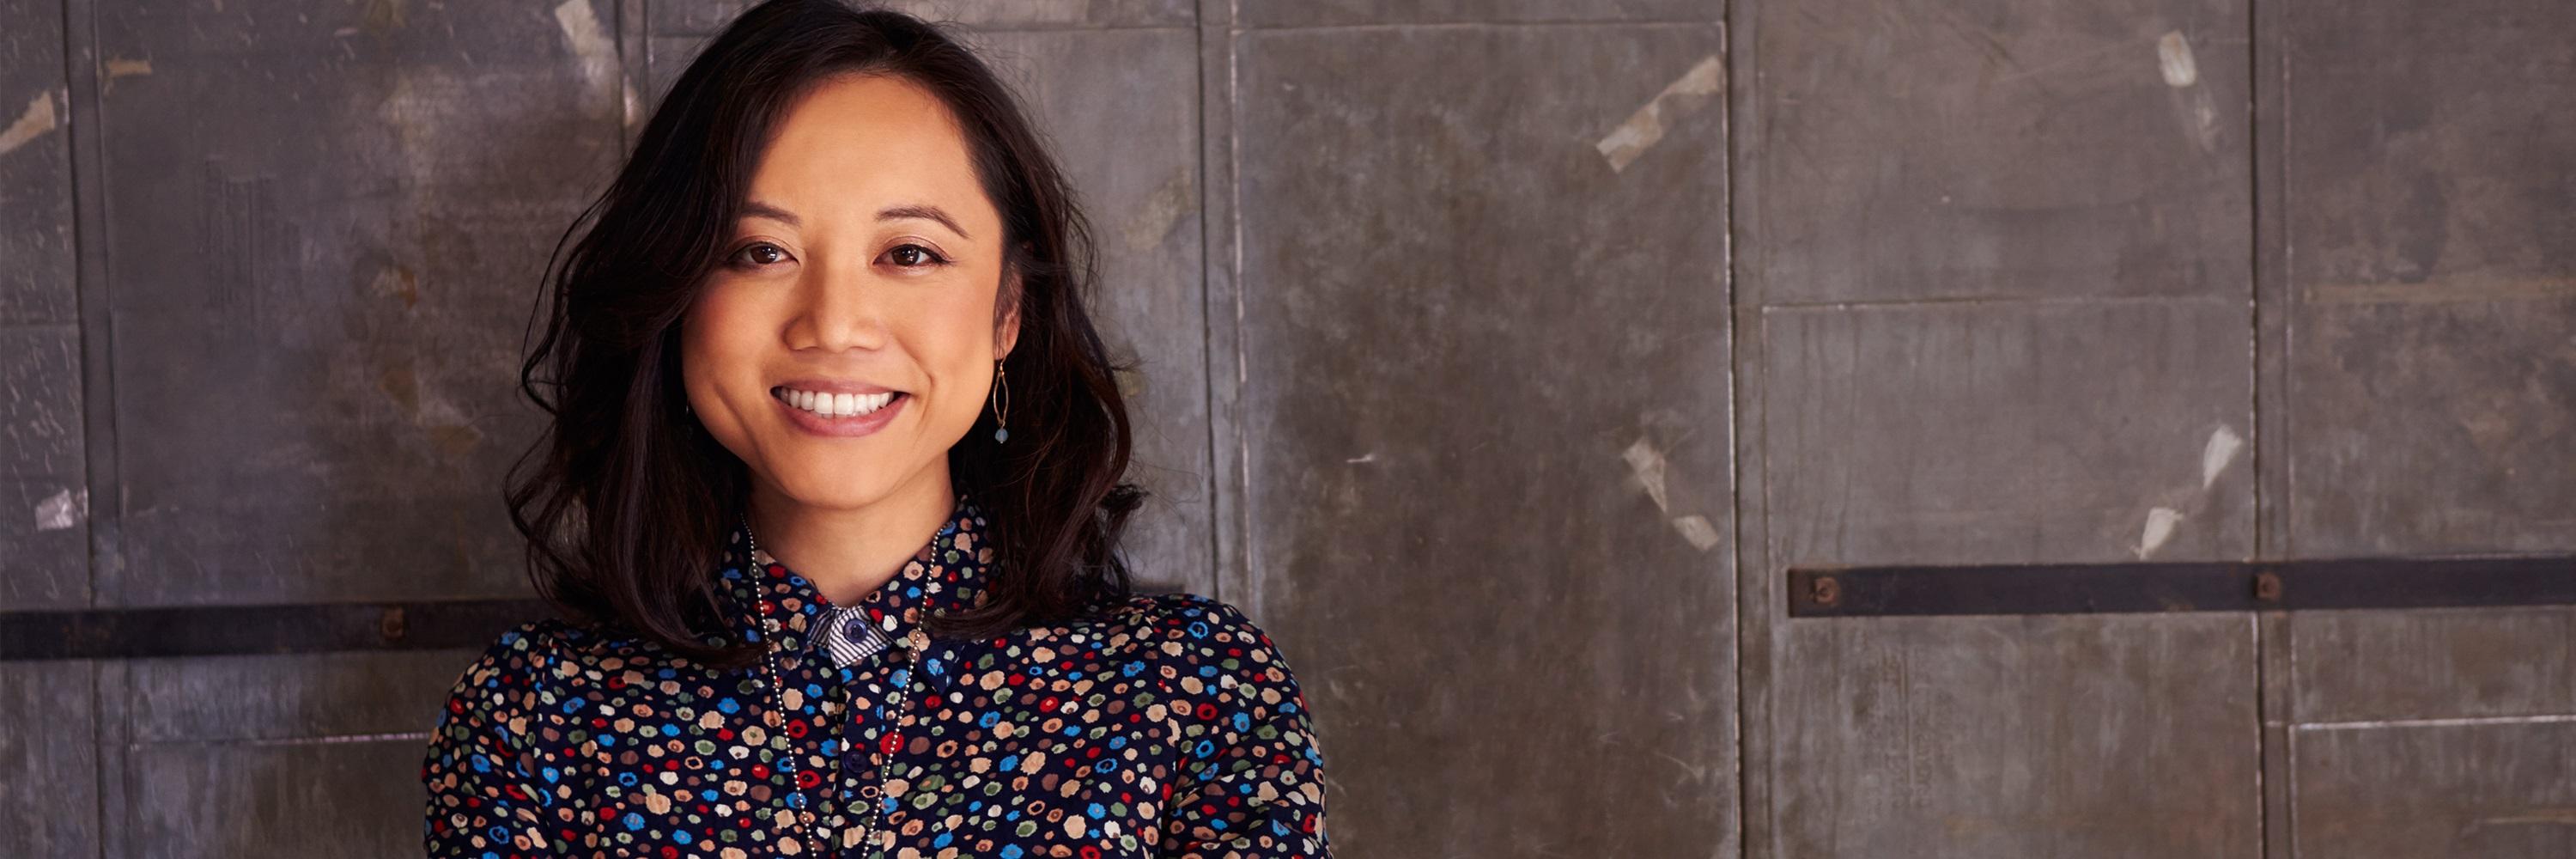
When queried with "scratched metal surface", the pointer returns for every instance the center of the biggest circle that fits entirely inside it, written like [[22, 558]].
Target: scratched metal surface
[[1483, 425], [2008, 433], [2499, 790], [45, 708], [319, 399], [44, 483], [2433, 277], [1344, 13], [2000, 149], [240, 755], [48, 759], [1994, 284], [2502, 664], [707, 16], [2128, 735], [2427, 157]]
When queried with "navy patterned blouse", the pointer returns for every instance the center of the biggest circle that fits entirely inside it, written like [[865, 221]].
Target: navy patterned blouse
[[1171, 728]]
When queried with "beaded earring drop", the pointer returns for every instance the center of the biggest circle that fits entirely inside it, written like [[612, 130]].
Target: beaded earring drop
[[1001, 404]]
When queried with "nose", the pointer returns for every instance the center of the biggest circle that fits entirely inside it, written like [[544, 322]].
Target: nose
[[838, 308]]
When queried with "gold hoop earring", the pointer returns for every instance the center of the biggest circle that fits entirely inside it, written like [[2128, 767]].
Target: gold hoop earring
[[1001, 403]]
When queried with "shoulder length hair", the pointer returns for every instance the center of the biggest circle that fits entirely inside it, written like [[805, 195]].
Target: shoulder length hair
[[626, 499]]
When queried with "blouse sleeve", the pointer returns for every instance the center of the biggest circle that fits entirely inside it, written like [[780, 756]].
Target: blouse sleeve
[[485, 798], [1250, 780]]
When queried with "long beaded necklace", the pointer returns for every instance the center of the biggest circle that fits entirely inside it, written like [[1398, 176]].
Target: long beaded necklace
[[777, 700]]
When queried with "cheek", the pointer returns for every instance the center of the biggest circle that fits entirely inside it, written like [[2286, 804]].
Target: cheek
[[962, 355], [714, 343]]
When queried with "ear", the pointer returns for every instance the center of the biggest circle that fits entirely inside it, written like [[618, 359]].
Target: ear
[[1006, 330]]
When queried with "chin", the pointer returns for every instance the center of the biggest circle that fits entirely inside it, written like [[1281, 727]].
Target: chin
[[842, 488]]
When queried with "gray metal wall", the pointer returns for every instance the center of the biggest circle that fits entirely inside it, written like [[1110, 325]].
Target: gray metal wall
[[1498, 358]]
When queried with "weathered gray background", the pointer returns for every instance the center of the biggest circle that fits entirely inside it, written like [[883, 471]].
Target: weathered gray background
[[1498, 358]]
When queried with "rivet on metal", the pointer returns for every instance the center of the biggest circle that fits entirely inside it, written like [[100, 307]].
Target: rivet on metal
[[2267, 586]]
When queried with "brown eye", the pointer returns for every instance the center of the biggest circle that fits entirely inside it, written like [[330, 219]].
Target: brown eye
[[913, 256], [760, 254]]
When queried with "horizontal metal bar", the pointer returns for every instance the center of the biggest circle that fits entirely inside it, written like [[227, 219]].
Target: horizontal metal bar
[[139, 633], [2350, 583], [2332, 583]]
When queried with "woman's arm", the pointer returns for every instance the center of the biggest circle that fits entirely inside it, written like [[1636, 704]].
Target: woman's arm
[[1251, 778], [486, 797]]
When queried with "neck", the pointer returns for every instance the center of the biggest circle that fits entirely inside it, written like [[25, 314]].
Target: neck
[[849, 551]]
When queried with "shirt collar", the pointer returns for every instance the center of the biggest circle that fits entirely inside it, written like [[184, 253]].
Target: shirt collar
[[773, 603]]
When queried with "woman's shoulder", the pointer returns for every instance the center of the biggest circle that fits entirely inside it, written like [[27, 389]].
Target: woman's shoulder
[[538, 654], [1205, 638], [521, 657], [1242, 719], [1165, 616]]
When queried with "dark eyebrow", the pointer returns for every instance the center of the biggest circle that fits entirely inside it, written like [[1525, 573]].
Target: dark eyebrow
[[758, 209], [933, 213]]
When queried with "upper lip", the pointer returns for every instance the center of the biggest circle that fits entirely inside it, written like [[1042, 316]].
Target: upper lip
[[835, 386]]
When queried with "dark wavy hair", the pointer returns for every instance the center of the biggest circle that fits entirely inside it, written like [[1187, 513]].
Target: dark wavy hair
[[626, 499]]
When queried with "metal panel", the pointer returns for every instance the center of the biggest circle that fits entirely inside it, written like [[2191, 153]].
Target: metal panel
[[2434, 426], [360, 797], [35, 168], [49, 771], [284, 755], [670, 57], [2024, 736], [44, 486], [2433, 268], [2495, 790], [2001, 148], [1484, 421], [44, 548], [705, 17], [320, 330], [1327, 13], [2459, 663], [317, 698], [2021, 432]]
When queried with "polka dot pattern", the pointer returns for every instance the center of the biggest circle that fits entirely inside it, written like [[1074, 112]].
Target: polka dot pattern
[[1168, 725]]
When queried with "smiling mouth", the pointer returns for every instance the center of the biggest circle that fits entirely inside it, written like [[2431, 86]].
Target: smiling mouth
[[836, 405]]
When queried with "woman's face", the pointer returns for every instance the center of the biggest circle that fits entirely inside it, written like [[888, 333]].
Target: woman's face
[[848, 339]]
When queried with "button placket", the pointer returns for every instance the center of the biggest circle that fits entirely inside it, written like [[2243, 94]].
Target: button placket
[[887, 678], [803, 802]]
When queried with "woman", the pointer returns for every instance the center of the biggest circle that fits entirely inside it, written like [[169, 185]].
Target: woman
[[831, 503]]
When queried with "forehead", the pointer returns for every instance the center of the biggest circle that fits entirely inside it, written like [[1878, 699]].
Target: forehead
[[861, 141]]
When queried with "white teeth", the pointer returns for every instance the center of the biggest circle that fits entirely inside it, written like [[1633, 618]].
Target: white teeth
[[836, 405]]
